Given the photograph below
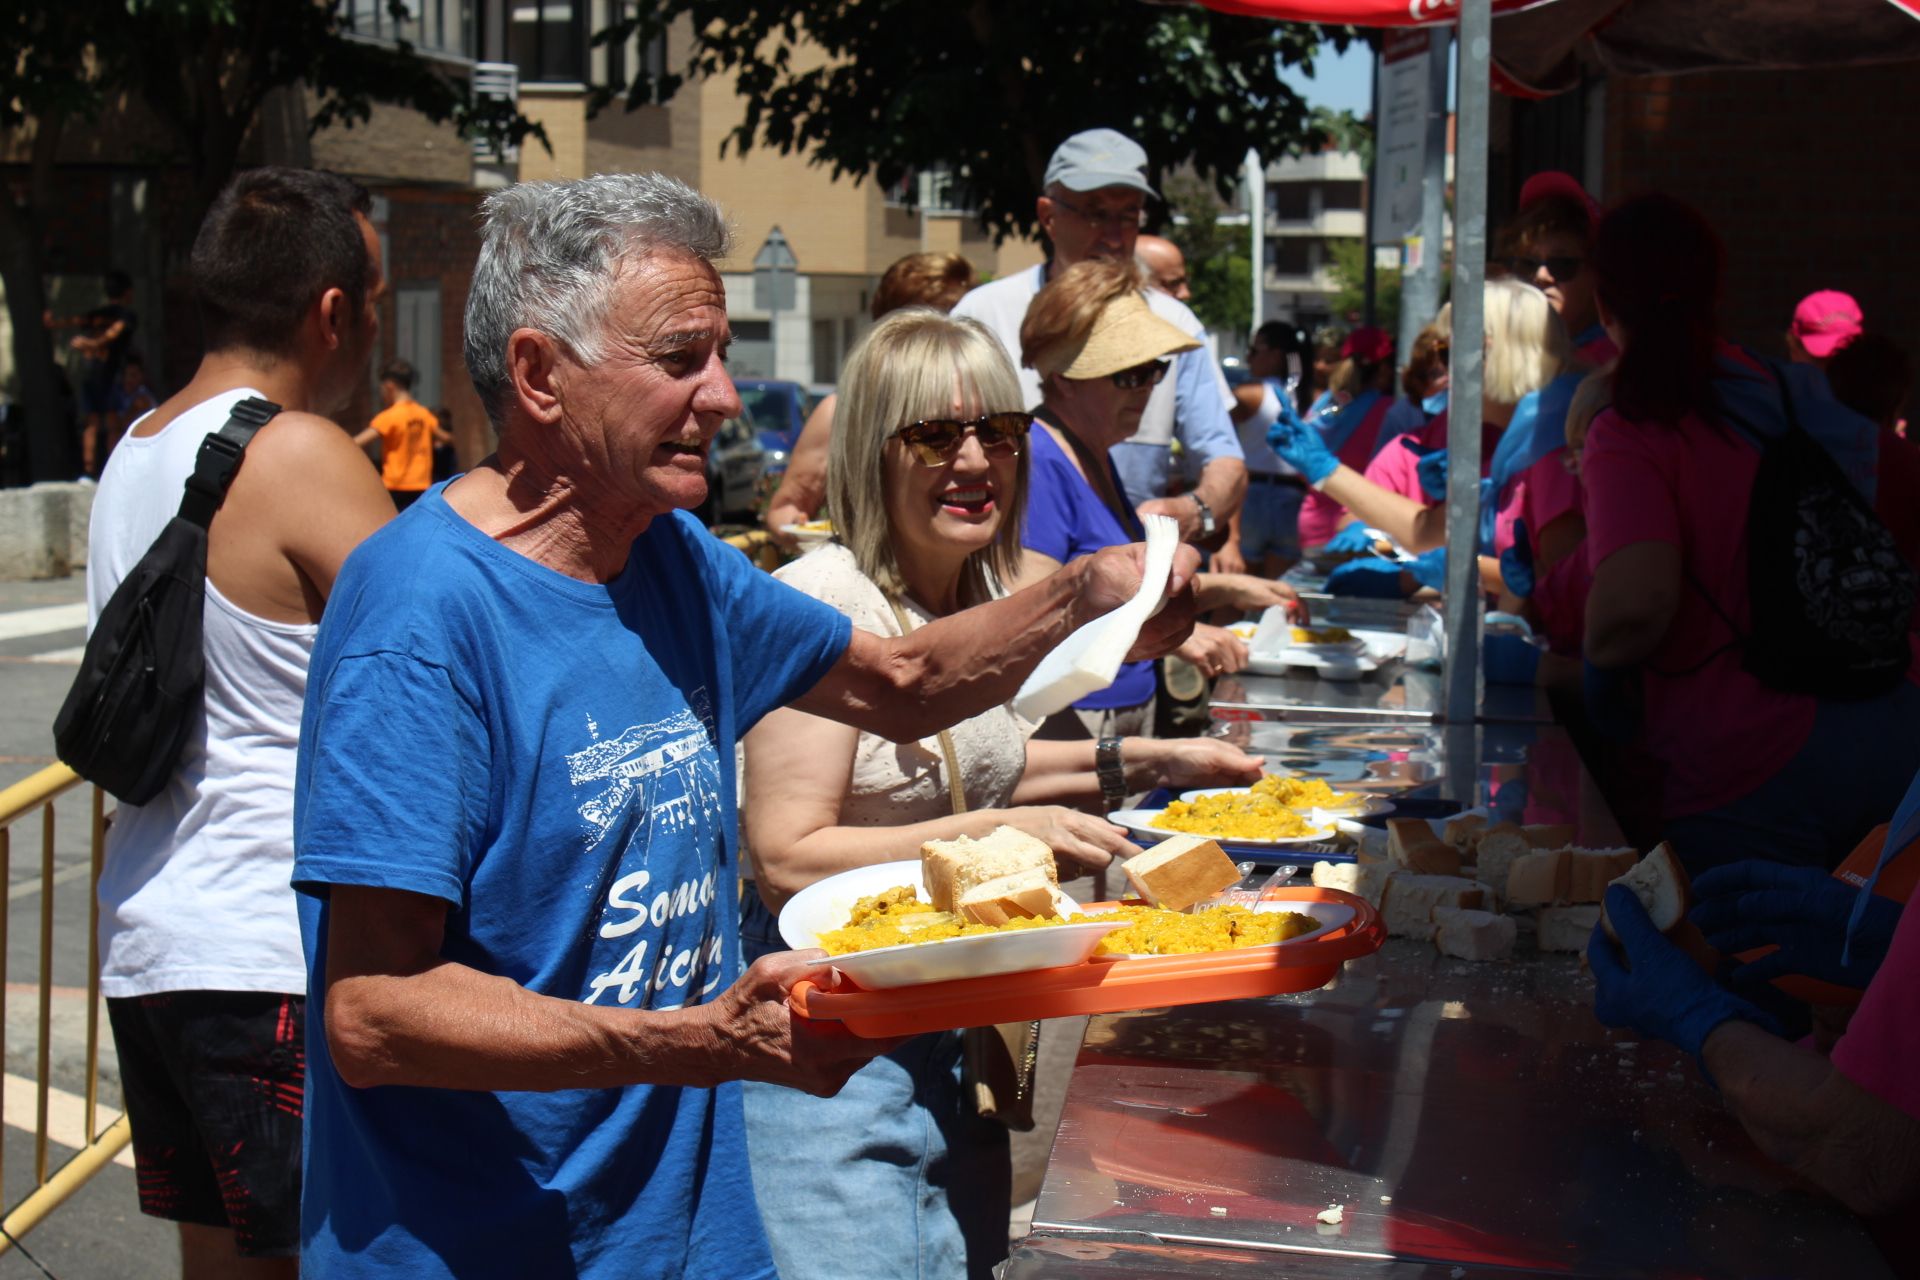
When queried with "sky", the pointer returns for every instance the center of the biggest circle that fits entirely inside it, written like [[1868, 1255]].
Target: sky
[[1340, 81]]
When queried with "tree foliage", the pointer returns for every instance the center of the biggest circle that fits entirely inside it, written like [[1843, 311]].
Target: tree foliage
[[1219, 257], [1350, 270], [884, 89]]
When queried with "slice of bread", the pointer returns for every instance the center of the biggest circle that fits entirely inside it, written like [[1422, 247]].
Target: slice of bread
[[1548, 837], [1362, 880], [1468, 934], [1180, 871], [1567, 928], [950, 868], [1661, 884], [1408, 901], [1500, 846], [1555, 877], [1592, 870], [1023, 894], [1463, 832], [1412, 844]]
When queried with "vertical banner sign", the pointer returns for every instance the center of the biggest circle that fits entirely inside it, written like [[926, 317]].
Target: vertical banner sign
[[1400, 164]]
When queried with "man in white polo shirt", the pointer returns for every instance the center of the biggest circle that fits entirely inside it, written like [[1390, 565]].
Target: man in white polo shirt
[[1095, 196]]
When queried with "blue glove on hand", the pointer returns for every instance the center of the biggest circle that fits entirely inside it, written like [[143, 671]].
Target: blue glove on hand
[[1432, 470], [1801, 910], [1664, 993], [1303, 450], [1372, 577], [1516, 562], [1351, 538], [1430, 569]]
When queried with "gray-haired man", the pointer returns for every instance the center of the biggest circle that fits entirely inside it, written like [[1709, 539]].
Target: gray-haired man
[[516, 823]]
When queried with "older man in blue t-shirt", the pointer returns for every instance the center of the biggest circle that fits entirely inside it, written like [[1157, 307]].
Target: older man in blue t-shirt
[[515, 820]]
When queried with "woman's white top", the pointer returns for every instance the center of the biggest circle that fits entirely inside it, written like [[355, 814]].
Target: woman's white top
[[894, 783], [194, 893]]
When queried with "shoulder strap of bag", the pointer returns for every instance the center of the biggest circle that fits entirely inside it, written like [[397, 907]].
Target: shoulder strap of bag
[[956, 788], [219, 459]]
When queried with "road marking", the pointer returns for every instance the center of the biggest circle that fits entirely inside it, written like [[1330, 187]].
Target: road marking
[[66, 1115], [42, 621], [26, 888], [69, 657]]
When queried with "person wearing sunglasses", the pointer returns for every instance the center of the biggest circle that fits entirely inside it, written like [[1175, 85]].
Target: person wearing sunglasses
[[899, 1175], [1100, 350]]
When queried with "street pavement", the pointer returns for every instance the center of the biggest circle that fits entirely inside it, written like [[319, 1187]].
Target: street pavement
[[100, 1231]]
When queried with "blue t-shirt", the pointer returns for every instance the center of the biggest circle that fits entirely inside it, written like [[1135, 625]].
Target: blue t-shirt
[[1065, 518], [555, 759]]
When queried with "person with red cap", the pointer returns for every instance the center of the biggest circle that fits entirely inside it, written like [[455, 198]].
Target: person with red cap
[[1349, 426], [1824, 322]]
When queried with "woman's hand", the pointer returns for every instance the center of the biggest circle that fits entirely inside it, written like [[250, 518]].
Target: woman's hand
[[1197, 762], [1247, 592], [1087, 842], [1215, 651]]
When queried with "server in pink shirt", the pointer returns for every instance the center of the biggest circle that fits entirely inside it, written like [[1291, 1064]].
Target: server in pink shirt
[[1750, 770], [1526, 349], [1349, 425]]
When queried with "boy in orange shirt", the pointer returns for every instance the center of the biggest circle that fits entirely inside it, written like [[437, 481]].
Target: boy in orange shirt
[[407, 432]]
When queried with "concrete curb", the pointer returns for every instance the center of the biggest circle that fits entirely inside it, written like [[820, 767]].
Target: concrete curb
[[43, 530]]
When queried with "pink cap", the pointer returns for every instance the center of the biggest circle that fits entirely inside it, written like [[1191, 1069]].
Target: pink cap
[[1826, 321], [1552, 182]]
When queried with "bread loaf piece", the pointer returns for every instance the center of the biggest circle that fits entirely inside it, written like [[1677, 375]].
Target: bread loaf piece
[[1020, 895], [1540, 836], [1661, 884], [1467, 934], [1590, 871], [951, 867], [1407, 902], [1554, 877], [1463, 832], [1500, 845], [1412, 844], [1362, 880], [1180, 871], [1567, 928]]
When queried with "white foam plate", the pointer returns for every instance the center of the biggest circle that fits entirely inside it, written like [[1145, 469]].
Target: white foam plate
[[1361, 806], [1140, 822], [826, 904], [805, 536]]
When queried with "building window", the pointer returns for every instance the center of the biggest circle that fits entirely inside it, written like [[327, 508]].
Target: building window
[[935, 190], [614, 63], [1288, 202], [547, 40], [1290, 256], [433, 26], [1342, 195]]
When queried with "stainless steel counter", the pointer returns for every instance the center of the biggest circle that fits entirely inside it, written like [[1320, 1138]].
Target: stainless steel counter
[[1396, 693], [1467, 1117]]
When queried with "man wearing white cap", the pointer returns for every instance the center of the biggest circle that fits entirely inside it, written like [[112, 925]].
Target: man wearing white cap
[[1095, 195]]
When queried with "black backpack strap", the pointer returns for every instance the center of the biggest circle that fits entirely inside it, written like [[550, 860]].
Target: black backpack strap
[[219, 459]]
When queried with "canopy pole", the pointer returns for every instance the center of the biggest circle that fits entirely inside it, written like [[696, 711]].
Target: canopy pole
[[1420, 286], [1475, 49], [1256, 178]]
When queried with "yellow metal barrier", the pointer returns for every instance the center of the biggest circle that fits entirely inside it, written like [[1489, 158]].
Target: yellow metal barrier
[[51, 1188]]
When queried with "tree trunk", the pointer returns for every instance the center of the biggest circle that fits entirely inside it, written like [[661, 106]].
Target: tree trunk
[[46, 435]]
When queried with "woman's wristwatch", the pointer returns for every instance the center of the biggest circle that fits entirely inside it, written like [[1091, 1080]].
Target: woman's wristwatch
[[1207, 522], [1112, 774]]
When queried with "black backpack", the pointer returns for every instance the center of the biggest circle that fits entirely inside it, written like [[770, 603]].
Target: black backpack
[[140, 685], [1830, 595]]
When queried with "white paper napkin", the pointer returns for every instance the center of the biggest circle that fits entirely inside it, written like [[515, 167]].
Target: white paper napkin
[[1089, 660]]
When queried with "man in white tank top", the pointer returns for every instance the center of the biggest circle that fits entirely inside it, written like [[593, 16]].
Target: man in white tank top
[[200, 949]]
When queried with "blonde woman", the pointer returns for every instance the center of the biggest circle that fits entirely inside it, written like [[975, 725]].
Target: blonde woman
[[897, 1175], [1526, 348]]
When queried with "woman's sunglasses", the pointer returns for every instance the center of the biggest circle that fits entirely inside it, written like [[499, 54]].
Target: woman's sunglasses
[[1141, 375], [1559, 270], [935, 441]]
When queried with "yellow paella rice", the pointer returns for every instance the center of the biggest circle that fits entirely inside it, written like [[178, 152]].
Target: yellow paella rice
[[1154, 932], [897, 916], [1321, 635], [1303, 793], [1234, 815]]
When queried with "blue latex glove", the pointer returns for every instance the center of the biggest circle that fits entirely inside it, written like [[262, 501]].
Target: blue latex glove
[[1430, 569], [1353, 537], [1303, 449], [1516, 562], [1803, 911], [1664, 993], [1373, 577], [1432, 470]]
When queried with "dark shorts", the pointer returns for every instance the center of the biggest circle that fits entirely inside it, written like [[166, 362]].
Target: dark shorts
[[214, 1082]]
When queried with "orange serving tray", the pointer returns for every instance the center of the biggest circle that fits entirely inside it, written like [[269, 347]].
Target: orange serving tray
[[1105, 986]]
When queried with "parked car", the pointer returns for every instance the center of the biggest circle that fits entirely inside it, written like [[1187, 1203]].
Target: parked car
[[736, 466], [777, 409]]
